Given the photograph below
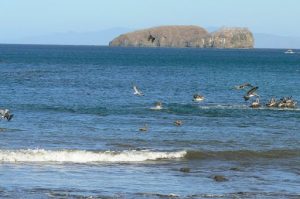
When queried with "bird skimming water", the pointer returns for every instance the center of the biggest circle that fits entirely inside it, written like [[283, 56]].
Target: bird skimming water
[[251, 93], [137, 91], [5, 114], [242, 86]]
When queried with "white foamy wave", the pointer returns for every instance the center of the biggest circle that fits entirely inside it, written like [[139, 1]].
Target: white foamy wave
[[81, 156]]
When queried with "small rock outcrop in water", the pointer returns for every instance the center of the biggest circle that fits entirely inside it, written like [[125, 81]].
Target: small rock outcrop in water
[[186, 36]]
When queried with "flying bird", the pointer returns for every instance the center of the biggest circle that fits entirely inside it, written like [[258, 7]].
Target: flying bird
[[5, 114], [137, 91], [242, 86], [251, 93]]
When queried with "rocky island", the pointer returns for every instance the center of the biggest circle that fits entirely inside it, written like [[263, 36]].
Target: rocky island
[[186, 36]]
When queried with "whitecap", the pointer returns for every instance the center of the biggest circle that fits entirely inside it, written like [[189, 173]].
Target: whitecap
[[82, 156]]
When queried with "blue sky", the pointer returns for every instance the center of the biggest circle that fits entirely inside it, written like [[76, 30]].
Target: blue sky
[[30, 18]]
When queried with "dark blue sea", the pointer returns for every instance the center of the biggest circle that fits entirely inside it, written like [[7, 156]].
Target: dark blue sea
[[75, 131]]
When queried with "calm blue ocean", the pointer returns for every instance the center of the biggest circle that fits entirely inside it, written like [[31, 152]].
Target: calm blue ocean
[[75, 131]]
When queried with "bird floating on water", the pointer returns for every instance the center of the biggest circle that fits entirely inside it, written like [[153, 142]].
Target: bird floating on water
[[144, 129], [157, 106], [255, 104], [137, 91], [198, 98], [287, 102], [178, 123], [5, 114], [272, 103]]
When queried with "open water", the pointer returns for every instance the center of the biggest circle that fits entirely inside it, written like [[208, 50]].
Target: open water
[[75, 131]]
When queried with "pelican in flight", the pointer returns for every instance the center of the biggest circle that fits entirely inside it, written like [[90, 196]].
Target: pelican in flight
[[242, 86], [137, 91], [5, 114], [251, 93], [198, 98]]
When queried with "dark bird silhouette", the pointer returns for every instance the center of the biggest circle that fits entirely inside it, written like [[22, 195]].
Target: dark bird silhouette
[[251, 93], [242, 86]]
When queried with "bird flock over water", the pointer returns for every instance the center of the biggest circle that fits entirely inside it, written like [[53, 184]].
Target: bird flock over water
[[284, 102]]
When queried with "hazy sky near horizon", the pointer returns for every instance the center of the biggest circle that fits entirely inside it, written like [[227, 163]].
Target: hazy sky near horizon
[[35, 17]]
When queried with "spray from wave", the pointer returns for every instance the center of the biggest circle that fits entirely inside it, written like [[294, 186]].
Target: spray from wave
[[81, 156]]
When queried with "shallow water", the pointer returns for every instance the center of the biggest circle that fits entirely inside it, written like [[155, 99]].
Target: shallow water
[[75, 131]]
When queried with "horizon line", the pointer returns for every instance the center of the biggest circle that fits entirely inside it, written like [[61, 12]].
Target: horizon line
[[95, 45]]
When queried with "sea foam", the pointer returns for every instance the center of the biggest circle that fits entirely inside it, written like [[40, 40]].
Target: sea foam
[[81, 156]]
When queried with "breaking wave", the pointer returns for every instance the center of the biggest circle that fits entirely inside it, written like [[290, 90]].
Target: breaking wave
[[81, 156]]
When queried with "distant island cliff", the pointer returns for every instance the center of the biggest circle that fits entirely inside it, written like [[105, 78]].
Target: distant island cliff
[[186, 36]]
